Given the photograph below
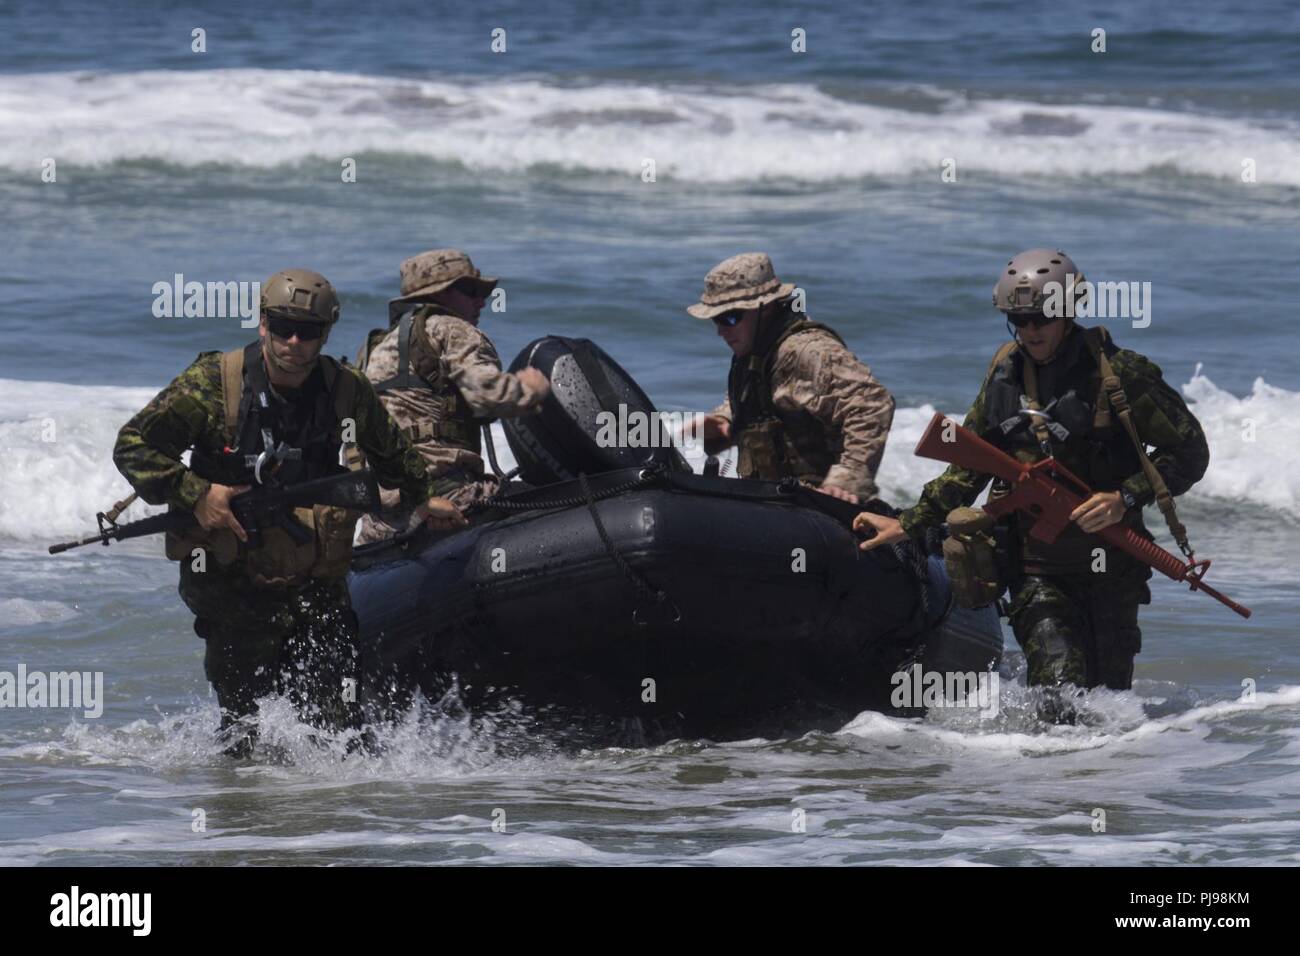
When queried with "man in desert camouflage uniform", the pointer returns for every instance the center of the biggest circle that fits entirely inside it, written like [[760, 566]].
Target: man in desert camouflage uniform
[[799, 403], [440, 378], [1044, 394], [276, 618]]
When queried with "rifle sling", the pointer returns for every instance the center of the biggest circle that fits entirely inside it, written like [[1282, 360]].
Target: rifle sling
[[1112, 393], [1036, 422]]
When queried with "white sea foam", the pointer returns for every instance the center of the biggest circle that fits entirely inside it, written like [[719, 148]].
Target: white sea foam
[[16, 612], [58, 466], [262, 118], [53, 488]]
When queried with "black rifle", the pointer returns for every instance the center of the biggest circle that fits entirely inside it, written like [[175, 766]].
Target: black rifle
[[261, 507]]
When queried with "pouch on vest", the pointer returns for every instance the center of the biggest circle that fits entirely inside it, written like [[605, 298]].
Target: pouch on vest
[[280, 561], [969, 554], [761, 450], [335, 529], [221, 544]]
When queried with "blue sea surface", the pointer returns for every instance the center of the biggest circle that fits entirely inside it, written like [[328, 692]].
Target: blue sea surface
[[1172, 158]]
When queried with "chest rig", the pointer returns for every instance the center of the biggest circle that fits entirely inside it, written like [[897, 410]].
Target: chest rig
[[1083, 420], [773, 443], [271, 439], [1069, 419], [420, 366], [268, 439]]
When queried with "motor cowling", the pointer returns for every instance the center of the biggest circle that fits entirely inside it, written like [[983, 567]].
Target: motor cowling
[[585, 424]]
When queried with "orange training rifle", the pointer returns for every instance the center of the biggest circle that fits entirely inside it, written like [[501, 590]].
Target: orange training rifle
[[1049, 492]]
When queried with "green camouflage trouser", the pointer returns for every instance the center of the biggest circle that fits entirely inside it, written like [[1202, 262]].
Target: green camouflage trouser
[[299, 641], [1081, 629]]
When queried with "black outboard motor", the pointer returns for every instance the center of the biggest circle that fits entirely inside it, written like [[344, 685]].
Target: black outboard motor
[[585, 424]]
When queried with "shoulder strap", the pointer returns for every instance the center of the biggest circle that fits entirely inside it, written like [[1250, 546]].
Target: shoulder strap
[[405, 377], [1114, 394], [1029, 372], [1029, 376], [1003, 352], [1097, 338], [801, 325], [341, 387], [373, 337], [232, 388]]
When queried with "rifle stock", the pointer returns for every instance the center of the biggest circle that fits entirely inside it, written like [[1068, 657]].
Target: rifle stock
[[1048, 492]]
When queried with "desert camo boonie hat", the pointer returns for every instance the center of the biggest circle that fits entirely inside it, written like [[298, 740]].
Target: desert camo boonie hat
[[431, 272], [746, 281]]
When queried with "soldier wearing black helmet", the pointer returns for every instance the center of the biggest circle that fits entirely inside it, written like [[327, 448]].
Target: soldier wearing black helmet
[[276, 618], [1056, 390]]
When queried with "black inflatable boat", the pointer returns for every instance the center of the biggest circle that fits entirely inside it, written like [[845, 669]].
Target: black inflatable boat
[[614, 594]]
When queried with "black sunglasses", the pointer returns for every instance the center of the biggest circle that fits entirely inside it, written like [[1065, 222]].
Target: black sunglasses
[[287, 328], [470, 287], [1036, 319], [729, 319]]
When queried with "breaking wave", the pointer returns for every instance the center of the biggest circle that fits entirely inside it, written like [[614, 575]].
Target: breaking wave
[[710, 134]]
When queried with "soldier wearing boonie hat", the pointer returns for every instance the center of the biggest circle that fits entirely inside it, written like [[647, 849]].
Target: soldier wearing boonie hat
[[440, 377], [799, 403]]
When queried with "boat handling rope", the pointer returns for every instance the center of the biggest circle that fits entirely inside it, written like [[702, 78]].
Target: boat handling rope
[[647, 476], [916, 561], [655, 597]]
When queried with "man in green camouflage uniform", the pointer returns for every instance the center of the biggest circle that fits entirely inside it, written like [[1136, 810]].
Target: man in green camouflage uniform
[[1074, 604], [276, 617], [799, 403], [439, 376]]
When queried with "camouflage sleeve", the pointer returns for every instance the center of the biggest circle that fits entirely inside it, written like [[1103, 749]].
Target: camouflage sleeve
[[473, 365], [395, 463], [955, 488], [149, 447], [1180, 452], [724, 409], [827, 381]]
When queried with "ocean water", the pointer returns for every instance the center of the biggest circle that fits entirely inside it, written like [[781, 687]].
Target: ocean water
[[225, 166]]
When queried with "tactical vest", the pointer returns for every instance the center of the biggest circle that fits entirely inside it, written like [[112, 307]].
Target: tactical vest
[[1081, 434], [264, 435], [419, 365], [773, 443]]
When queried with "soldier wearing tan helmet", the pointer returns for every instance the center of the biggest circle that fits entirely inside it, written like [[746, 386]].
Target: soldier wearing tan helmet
[[276, 618], [799, 404], [439, 376], [1049, 392]]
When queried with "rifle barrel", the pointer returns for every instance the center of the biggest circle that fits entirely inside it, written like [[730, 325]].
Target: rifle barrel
[[1222, 598]]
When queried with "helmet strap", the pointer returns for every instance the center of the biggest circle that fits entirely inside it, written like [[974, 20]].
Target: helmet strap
[[271, 358]]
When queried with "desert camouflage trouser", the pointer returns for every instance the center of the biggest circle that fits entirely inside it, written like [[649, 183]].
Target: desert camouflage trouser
[[394, 520], [298, 641], [1080, 629]]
